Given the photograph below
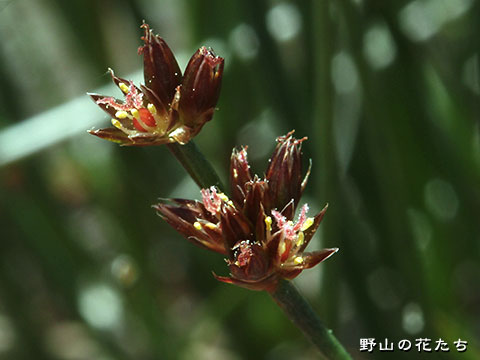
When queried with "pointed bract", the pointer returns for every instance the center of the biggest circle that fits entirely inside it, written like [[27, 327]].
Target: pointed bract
[[161, 71], [200, 88], [192, 221], [284, 172], [239, 175]]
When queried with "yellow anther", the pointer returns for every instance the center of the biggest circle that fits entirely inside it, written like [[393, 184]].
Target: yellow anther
[[121, 114], [117, 124], [197, 225], [152, 109], [281, 248], [235, 173], [290, 223], [223, 197], [135, 113], [298, 260], [309, 222], [211, 226], [123, 87], [268, 223], [300, 238]]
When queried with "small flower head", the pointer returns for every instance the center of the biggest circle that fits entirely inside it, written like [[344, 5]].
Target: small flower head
[[169, 107], [256, 228]]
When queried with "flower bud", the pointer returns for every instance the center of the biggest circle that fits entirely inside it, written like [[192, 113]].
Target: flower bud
[[200, 88], [284, 173], [161, 71]]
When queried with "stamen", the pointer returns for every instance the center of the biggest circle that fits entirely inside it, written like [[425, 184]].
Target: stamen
[[282, 247], [298, 260], [309, 222], [211, 226], [268, 223], [117, 124], [135, 113], [223, 197], [152, 109], [300, 238], [121, 114], [197, 225], [123, 87]]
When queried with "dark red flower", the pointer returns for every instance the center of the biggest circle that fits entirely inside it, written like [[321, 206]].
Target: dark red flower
[[255, 229], [169, 107]]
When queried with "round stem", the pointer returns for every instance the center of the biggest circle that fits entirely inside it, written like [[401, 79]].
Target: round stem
[[196, 165], [302, 315]]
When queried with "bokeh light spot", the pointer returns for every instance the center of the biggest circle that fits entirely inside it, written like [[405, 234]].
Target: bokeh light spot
[[441, 199], [244, 42], [422, 19], [344, 73], [284, 22], [378, 47], [101, 306], [412, 318]]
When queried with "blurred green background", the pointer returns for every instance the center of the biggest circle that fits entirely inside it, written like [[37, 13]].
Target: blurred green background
[[386, 91]]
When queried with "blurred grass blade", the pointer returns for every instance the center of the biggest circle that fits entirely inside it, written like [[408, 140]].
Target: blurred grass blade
[[53, 126]]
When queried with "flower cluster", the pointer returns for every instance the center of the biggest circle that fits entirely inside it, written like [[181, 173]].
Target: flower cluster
[[169, 107], [255, 228]]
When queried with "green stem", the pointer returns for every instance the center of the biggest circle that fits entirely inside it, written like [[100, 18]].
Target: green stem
[[302, 315], [196, 165]]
